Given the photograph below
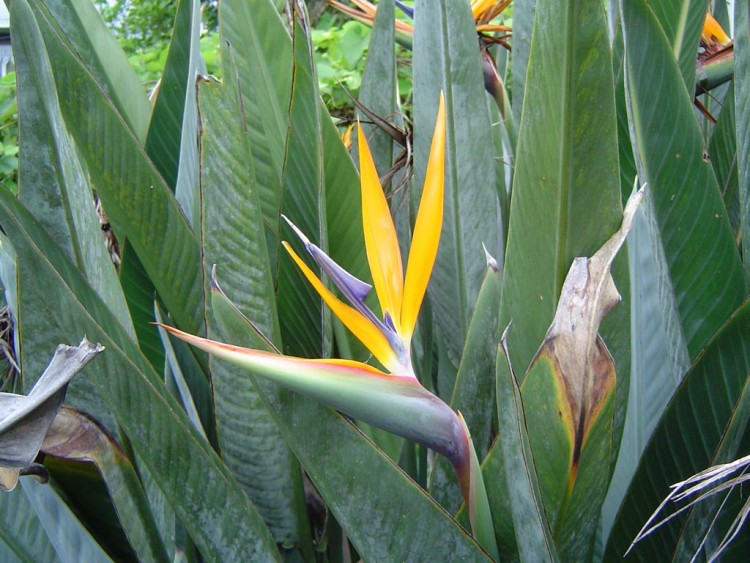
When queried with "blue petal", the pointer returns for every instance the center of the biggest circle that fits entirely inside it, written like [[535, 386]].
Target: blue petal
[[408, 10]]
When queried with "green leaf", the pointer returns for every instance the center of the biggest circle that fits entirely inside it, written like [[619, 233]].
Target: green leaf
[[704, 271], [722, 150], [22, 536], [378, 89], [659, 356], [171, 146], [138, 202], [446, 58], [710, 515], [90, 39], [682, 22], [175, 380], [742, 118], [533, 536], [140, 295], [71, 540], [346, 243], [707, 402], [53, 182], [196, 483], [572, 482], [305, 324], [174, 124], [251, 445], [523, 24], [472, 393]]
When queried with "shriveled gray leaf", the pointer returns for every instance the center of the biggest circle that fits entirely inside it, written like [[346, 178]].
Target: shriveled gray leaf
[[25, 420]]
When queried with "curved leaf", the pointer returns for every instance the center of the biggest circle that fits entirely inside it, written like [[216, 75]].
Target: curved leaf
[[26, 419], [704, 272], [90, 39]]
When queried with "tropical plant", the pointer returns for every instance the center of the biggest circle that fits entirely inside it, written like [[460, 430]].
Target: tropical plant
[[233, 206]]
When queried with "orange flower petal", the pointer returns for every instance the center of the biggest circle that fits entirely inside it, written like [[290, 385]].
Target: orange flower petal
[[356, 322], [427, 228], [381, 242]]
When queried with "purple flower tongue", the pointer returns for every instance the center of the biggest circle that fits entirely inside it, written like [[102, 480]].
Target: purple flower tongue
[[408, 10], [354, 289]]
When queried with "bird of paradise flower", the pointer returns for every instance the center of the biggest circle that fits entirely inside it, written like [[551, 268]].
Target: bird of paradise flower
[[394, 399]]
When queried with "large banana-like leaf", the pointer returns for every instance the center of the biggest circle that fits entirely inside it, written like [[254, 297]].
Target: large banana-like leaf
[[235, 243], [742, 118], [85, 31], [22, 536], [523, 23], [369, 495], [305, 324], [54, 184], [193, 479], [257, 42], [704, 275], [71, 540], [706, 404], [446, 59], [682, 22], [139, 203]]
